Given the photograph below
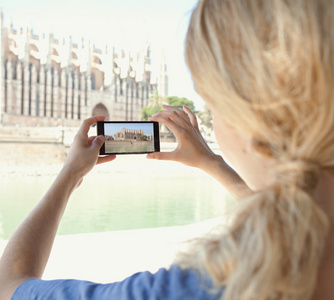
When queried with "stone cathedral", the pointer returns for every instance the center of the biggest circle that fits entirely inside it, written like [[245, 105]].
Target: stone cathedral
[[54, 82]]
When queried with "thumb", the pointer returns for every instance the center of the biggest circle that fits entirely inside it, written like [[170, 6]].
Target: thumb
[[160, 155], [98, 141]]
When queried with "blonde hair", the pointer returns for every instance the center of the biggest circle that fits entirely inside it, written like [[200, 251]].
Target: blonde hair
[[267, 67]]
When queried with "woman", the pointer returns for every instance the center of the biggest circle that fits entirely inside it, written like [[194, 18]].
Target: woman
[[265, 69]]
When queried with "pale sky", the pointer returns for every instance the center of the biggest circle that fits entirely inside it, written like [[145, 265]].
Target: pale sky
[[122, 23]]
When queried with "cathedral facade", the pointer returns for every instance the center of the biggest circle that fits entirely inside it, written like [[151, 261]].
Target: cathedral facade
[[54, 82], [128, 134]]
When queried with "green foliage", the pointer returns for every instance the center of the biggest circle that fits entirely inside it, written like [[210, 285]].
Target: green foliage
[[206, 118], [156, 103], [143, 137], [154, 106], [150, 110], [180, 102]]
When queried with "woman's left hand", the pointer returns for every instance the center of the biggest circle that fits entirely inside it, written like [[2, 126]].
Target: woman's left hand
[[84, 152], [28, 250]]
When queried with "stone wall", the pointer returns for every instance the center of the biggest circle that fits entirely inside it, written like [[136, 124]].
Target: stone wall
[[59, 135], [33, 150]]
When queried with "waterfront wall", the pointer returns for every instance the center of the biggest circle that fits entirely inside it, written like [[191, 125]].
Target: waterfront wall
[[33, 150]]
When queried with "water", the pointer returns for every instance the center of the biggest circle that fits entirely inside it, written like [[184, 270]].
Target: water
[[130, 197], [129, 146]]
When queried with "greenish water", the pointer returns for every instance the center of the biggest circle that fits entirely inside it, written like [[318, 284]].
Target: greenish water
[[119, 201], [128, 146]]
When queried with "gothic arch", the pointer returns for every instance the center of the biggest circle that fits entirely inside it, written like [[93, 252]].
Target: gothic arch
[[132, 73], [97, 79], [33, 47], [116, 69], [97, 60], [74, 56], [34, 55], [12, 43], [54, 52], [100, 110]]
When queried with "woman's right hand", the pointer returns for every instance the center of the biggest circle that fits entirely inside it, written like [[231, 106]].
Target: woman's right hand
[[192, 150]]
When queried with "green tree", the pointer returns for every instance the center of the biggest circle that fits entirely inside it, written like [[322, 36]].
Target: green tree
[[180, 102], [206, 118], [155, 105], [150, 110], [157, 101]]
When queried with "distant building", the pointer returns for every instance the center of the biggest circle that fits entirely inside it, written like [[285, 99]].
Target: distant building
[[47, 81], [128, 134]]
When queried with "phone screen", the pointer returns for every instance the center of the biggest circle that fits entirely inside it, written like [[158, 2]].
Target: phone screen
[[135, 137]]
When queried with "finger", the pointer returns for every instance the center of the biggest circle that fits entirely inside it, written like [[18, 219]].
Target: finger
[[98, 142], [86, 124], [161, 155], [90, 140], [180, 112], [168, 107], [104, 159], [175, 116], [191, 116], [168, 122]]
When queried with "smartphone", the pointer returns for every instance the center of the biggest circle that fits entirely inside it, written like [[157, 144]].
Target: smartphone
[[129, 137]]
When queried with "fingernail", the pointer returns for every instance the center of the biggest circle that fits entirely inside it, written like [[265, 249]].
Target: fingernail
[[101, 138]]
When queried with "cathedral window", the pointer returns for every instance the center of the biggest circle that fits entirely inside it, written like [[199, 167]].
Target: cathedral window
[[45, 91], [52, 89], [29, 92], [86, 91], [142, 92], [6, 96], [79, 107], [93, 81], [66, 94], [115, 80], [132, 89], [14, 68], [22, 91], [5, 67], [37, 105], [37, 76], [72, 103]]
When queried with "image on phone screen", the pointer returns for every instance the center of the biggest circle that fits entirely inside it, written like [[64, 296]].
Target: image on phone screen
[[129, 137]]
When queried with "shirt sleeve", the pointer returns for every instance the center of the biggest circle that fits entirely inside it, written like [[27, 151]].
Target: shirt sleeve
[[173, 283]]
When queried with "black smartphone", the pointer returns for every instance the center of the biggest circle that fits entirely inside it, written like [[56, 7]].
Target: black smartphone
[[129, 137]]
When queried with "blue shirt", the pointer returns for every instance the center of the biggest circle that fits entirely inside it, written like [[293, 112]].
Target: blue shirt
[[173, 283]]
